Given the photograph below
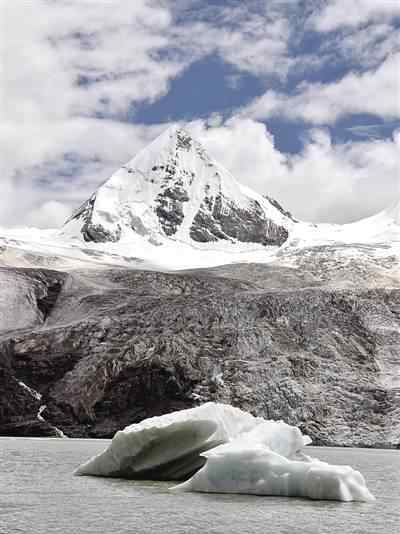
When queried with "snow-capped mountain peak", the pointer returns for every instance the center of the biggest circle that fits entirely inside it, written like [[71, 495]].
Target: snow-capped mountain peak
[[174, 190]]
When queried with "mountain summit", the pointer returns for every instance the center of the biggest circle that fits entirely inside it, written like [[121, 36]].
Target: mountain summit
[[174, 190]]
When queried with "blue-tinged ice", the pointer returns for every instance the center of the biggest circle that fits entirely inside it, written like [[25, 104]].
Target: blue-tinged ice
[[217, 448]]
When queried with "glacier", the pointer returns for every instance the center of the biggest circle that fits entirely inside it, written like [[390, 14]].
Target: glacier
[[218, 448]]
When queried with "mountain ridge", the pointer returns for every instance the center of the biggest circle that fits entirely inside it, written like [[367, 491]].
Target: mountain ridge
[[174, 207]]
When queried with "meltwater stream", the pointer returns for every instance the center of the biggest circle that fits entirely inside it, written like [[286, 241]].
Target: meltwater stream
[[40, 495]]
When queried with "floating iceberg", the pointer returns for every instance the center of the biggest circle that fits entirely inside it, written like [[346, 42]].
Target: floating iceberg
[[259, 471], [225, 450], [168, 447]]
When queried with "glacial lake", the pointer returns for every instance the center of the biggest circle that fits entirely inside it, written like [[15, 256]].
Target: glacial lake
[[40, 495]]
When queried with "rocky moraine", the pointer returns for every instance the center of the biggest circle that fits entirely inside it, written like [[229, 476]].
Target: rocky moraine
[[110, 347]]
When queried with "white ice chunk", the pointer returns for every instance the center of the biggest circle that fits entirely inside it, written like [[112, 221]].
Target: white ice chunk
[[286, 440], [269, 461], [261, 471], [232, 452], [168, 447]]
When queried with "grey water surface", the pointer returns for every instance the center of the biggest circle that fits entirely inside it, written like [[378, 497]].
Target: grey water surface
[[40, 495]]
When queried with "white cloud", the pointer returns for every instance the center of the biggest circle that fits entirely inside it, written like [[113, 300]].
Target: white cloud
[[34, 171], [124, 53], [337, 13], [325, 182], [50, 211], [253, 37], [374, 91], [112, 47], [45, 113]]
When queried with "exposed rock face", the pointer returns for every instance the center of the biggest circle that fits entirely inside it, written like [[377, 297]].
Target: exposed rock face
[[218, 218], [27, 296], [18, 407], [170, 207], [117, 346], [92, 231], [98, 234]]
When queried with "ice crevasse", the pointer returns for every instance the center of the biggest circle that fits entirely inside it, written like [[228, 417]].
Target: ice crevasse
[[216, 448]]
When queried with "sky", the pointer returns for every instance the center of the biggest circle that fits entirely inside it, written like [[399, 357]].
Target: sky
[[299, 99]]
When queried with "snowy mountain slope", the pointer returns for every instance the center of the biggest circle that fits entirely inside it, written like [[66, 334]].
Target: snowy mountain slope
[[173, 190], [173, 207], [23, 248], [384, 226], [31, 247], [371, 245]]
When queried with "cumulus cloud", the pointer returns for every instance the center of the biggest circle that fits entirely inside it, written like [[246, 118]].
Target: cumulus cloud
[[324, 183], [64, 73], [374, 91], [54, 211], [92, 55], [61, 161]]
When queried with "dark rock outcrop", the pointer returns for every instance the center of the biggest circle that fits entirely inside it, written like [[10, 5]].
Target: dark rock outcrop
[[91, 231], [170, 208], [18, 407], [221, 219]]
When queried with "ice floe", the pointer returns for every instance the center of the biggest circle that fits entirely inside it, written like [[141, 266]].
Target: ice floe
[[217, 448]]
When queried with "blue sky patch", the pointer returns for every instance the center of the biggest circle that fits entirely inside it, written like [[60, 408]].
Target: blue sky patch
[[207, 86]]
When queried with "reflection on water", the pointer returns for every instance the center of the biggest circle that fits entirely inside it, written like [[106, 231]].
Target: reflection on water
[[39, 495]]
